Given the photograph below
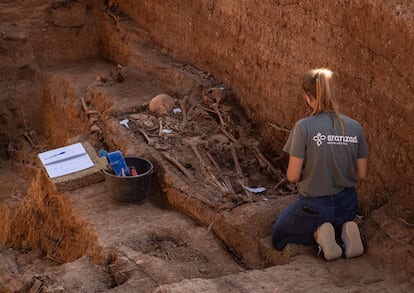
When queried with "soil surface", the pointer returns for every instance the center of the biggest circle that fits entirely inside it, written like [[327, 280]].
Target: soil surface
[[73, 70]]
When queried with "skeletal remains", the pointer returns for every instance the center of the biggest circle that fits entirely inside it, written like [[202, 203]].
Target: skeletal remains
[[205, 127], [210, 137]]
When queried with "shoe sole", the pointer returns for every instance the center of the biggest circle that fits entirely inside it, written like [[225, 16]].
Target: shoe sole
[[325, 237], [352, 240]]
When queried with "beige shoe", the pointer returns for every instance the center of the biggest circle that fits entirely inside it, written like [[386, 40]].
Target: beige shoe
[[325, 237], [352, 240]]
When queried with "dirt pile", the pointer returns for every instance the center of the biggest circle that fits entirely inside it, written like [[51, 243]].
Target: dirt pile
[[44, 221]]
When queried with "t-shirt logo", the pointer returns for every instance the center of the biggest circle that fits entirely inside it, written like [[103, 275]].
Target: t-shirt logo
[[319, 137]]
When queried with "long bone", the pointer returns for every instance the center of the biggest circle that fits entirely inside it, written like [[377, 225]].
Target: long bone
[[217, 110], [264, 163], [212, 98], [193, 143], [242, 180], [177, 164], [86, 108], [160, 132], [149, 140]]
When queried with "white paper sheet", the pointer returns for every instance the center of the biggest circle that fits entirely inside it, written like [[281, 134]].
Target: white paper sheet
[[65, 160]]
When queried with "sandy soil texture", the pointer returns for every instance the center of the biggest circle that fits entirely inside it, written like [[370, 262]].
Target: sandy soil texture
[[228, 78]]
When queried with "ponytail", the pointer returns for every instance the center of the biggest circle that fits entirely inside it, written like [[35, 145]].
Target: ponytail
[[318, 84]]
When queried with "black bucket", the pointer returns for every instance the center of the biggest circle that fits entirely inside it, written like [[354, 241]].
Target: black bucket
[[130, 188]]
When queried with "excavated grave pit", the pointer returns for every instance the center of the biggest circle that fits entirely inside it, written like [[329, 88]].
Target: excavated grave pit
[[199, 229], [205, 146], [188, 228]]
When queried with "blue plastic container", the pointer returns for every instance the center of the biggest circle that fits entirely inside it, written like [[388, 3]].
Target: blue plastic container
[[117, 162]]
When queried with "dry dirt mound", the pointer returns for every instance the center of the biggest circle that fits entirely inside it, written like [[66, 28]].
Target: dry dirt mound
[[44, 221]]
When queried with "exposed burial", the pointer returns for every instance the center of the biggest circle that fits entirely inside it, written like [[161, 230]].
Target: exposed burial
[[199, 98]]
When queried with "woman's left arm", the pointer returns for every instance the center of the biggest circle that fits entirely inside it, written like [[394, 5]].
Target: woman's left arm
[[362, 168]]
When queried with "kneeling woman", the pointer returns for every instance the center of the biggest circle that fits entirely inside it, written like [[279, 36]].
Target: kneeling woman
[[328, 156]]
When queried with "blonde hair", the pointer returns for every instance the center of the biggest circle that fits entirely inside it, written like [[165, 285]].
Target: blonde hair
[[319, 85]]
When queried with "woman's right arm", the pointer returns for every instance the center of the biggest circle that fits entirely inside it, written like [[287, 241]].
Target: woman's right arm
[[294, 169]]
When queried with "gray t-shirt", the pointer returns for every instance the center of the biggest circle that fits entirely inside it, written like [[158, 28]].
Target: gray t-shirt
[[330, 156]]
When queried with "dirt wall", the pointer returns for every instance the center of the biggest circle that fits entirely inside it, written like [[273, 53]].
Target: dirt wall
[[262, 49], [35, 35]]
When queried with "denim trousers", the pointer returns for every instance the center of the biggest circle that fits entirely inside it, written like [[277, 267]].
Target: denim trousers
[[300, 219]]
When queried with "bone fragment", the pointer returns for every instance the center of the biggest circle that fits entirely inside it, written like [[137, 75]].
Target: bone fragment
[[217, 110], [160, 132], [183, 103], [283, 180], [93, 120], [198, 155], [264, 163], [95, 128], [149, 140], [86, 108], [228, 134], [242, 180], [278, 127], [177, 164], [226, 185], [239, 170], [210, 157], [36, 287], [193, 143], [227, 182]]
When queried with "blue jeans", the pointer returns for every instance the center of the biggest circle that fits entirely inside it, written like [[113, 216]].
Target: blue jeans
[[301, 218]]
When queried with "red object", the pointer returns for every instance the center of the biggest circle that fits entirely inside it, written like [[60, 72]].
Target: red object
[[133, 171]]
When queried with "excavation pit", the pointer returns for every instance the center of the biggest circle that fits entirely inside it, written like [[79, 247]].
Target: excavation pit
[[108, 227], [151, 245], [204, 227]]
